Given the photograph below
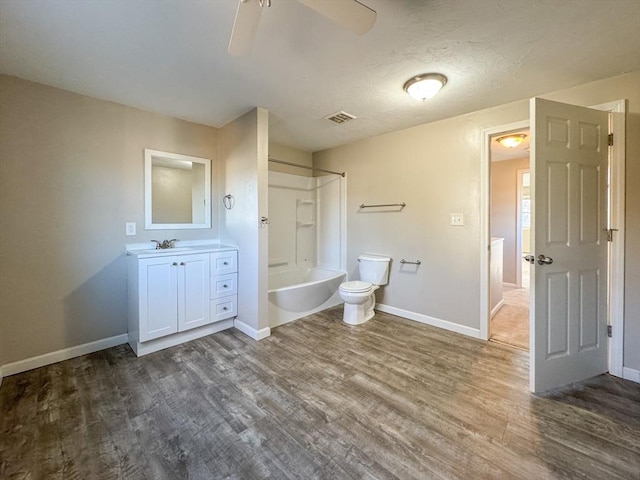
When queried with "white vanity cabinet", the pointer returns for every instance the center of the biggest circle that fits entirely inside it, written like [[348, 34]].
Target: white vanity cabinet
[[179, 297]]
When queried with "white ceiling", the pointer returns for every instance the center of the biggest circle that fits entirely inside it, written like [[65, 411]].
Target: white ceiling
[[171, 57]]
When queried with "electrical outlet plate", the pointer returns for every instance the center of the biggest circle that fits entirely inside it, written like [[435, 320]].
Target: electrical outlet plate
[[130, 228], [457, 219]]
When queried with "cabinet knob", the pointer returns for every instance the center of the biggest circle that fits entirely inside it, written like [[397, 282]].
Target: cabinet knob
[[225, 263], [225, 308], [182, 263], [174, 263], [225, 286]]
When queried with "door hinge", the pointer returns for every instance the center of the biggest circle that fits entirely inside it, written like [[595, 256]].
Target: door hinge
[[610, 139], [610, 233], [609, 329]]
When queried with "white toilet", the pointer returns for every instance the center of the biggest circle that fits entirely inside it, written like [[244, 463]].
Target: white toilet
[[359, 298]]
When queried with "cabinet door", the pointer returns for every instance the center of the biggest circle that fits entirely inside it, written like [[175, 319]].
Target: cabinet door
[[193, 291], [158, 300]]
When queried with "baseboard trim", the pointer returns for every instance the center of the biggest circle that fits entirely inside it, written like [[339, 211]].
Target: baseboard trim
[[631, 374], [497, 308], [510, 285], [61, 355], [250, 331], [434, 322]]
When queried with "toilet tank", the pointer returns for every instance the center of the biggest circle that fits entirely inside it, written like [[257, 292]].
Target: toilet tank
[[374, 268]]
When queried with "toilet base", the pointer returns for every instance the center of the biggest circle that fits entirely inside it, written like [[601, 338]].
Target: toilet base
[[358, 314]]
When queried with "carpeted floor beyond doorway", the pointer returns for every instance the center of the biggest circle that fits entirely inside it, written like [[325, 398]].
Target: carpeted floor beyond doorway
[[511, 324]]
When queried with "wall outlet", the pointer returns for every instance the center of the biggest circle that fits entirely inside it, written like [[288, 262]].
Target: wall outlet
[[130, 228], [457, 219]]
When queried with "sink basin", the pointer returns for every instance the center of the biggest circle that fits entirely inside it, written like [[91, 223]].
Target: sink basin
[[168, 250]]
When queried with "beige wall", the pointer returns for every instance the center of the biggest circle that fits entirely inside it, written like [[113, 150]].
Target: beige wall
[[435, 168], [292, 155], [71, 175], [243, 154], [504, 209]]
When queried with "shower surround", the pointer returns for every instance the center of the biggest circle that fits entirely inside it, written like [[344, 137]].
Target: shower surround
[[307, 244]]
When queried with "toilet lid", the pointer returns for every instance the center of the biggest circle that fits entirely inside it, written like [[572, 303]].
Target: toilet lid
[[355, 286]]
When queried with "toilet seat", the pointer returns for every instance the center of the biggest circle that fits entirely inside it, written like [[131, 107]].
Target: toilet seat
[[356, 286]]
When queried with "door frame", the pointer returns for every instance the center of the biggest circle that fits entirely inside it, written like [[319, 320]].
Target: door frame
[[519, 252], [485, 216], [615, 309], [617, 154]]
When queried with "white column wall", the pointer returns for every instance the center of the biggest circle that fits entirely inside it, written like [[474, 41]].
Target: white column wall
[[243, 147]]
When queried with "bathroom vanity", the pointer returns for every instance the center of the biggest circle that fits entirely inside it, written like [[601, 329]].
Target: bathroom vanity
[[180, 294]]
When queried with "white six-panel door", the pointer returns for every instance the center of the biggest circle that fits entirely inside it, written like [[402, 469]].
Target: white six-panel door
[[568, 316]]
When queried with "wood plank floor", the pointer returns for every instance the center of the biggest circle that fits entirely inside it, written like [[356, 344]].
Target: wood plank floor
[[390, 399]]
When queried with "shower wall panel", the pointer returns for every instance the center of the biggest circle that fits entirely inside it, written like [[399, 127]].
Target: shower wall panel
[[292, 221]]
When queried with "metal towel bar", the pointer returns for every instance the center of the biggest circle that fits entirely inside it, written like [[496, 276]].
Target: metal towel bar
[[401, 205], [403, 261]]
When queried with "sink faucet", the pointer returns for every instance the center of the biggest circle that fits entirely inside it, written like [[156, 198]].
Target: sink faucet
[[165, 244]]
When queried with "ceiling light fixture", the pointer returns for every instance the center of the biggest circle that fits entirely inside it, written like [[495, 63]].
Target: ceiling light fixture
[[425, 86], [511, 141]]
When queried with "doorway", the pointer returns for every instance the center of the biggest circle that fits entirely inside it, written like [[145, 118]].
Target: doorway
[[510, 226], [617, 114]]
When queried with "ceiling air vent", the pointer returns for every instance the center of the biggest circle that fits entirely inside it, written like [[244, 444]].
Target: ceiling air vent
[[340, 117]]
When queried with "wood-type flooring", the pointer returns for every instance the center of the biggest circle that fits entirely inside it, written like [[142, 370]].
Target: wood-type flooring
[[390, 399]]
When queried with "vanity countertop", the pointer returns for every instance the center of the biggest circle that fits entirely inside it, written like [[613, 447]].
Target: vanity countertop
[[181, 248]]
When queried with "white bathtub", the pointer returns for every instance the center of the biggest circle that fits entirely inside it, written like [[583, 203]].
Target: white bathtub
[[296, 294]]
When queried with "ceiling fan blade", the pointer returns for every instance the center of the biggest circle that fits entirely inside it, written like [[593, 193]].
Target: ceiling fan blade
[[348, 13], [245, 27]]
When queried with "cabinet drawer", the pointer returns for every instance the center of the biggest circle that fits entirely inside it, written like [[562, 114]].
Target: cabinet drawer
[[224, 307], [224, 285], [224, 262]]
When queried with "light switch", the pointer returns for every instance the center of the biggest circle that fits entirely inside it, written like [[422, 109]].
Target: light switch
[[130, 228], [457, 219]]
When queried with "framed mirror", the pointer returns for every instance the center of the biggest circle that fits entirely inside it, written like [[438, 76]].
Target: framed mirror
[[177, 191]]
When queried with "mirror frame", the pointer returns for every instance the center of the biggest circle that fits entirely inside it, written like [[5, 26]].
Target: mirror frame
[[149, 155]]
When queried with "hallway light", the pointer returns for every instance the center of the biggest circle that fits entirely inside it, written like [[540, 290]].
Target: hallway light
[[511, 141], [425, 86]]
